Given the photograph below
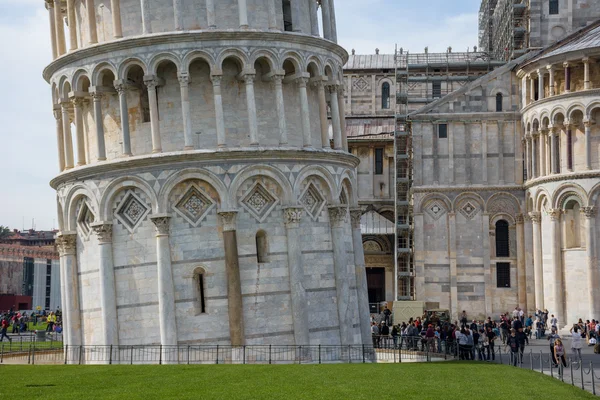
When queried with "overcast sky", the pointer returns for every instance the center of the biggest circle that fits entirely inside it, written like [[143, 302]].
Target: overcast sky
[[27, 128]]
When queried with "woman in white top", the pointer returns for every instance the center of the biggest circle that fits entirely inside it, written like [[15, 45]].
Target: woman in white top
[[576, 341]]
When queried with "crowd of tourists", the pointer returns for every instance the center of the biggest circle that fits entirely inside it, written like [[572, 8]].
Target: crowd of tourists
[[19, 322]]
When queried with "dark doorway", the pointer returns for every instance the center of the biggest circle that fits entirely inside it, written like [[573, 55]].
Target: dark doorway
[[376, 287]]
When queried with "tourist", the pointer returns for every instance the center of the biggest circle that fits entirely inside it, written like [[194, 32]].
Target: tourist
[[559, 354], [504, 330], [384, 332], [375, 334], [491, 338], [513, 342], [576, 341], [4, 328], [475, 347], [51, 321], [395, 330], [523, 340], [552, 338], [554, 322], [430, 338], [463, 319]]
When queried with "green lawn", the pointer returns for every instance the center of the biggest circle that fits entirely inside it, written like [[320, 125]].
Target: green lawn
[[452, 380]]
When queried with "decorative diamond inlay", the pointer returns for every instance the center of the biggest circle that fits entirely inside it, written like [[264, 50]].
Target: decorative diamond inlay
[[131, 211], [360, 85], [312, 201], [469, 210], [85, 218], [259, 201], [194, 206], [435, 209]]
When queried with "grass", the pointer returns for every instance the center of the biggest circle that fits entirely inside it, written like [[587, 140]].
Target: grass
[[18, 345], [452, 380]]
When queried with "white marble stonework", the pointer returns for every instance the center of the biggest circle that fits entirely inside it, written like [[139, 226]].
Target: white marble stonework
[[200, 202]]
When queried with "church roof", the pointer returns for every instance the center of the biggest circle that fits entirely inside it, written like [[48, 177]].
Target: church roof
[[370, 128], [373, 223], [386, 61]]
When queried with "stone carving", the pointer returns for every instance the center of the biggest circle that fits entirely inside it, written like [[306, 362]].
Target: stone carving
[[435, 209], [589, 212], [131, 211], [469, 210], [312, 201], [536, 217], [66, 243], [520, 219], [502, 205], [338, 215], [194, 206], [259, 202], [371, 246], [355, 216], [84, 219], [228, 220], [360, 85], [292, 215], [554, 214], [162, 224], [104, 232]]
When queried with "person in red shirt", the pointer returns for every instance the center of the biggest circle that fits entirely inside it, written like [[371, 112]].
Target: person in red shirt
[[3, 335]]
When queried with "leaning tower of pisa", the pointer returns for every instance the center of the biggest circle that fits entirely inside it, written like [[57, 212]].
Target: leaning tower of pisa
[[200, 199]]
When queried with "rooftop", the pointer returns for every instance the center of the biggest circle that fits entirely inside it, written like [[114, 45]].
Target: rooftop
[[386, 61]]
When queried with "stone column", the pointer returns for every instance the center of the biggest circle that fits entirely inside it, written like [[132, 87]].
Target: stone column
[[211, 14], [567, 78], [361, 278], [557, 273], [528, 157], [251, 106], [333, 21], [60, 139], [524, 90], [146, 27], [542, 151], [295, 6], [115, 6], [184, 84], [178, 15], [500, 129], [586, 73], [220, 120], [541, 93], [67, 245], [97, 96], [50, 8], [166, 287], [531, 88], [570, 153], [487, 254], [281, 124], [243, 12], [521, 271], [121, 88], [292, 216], [484, 150], [538, 266], [91, 14], [452, 279], [273, 15], [326, 15], [591, 260], [534, 155], [306, 138], [77, 104], [323, 115], [63, 290], [72, 23], [234, 284], [151, 83], [554, 160], [588, 144], [108, 297], [67, 135], [342, 105], [337, 219], [335, 118], [550, 69], [60, 29], [314, 18]]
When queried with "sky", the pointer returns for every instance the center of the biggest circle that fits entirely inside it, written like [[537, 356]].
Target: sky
[[28, 149]]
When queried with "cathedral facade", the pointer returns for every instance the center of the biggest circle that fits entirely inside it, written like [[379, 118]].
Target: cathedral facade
[[201, 201]]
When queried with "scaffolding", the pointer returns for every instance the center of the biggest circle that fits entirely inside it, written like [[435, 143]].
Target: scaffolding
[[503, 28]]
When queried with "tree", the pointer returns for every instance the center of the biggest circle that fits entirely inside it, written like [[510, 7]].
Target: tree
[[4, 232]]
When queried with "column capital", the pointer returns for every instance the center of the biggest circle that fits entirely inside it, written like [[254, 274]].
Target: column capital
[[566, 64], [589, 212], [554, 214], [355, 215], [184, 79], [588, 123], [332, 87], [104, 231], [540, 71], [585, 60], [49, 4], [292, 216], [216, 79], [337, 215], [302, 81], [536, 217], [228, 220], [66, 242], [77, 101], [121, 86], [550, 68], [162, 224], [96, 95], [151, 81], [247, 76], [520, 219], [56, 110]]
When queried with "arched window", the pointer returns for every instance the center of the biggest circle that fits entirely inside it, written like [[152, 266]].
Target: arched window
[[199, 293], [385, 96], [571, 219], [262, 247], [569, 149], [287, 15], [499, 102], [553, 7], [502, 240]]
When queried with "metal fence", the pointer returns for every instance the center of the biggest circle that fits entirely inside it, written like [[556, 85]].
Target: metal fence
[[384, 351]]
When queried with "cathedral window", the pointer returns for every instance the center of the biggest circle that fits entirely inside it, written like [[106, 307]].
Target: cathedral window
[[499, 99], [378, 161], [502, 240], [385, 96], [287, 15], [503, 275], [443, 131], [199, 294], [553, 7], [436, 90], [261, 247]]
